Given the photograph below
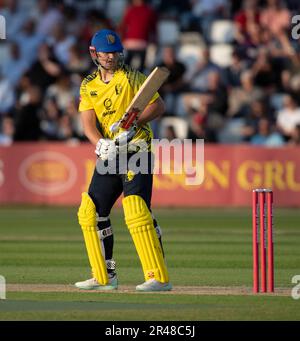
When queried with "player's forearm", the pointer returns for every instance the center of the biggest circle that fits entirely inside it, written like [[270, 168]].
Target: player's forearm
[[88, 119], [151, 112], [93, 135]]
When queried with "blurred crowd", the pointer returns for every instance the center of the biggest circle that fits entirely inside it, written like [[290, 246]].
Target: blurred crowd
[[235, 66]]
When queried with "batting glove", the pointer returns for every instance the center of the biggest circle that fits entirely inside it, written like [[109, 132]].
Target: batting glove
[[106, 149], [126, 136]]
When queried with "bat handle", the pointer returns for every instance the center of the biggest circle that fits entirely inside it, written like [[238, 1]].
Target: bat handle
[[115, 127]]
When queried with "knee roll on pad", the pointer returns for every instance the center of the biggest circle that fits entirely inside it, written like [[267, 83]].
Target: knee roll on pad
[[140, 224], [88, 223]]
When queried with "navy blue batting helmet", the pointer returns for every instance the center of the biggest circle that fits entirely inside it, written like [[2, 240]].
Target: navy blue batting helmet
[[106, 41]]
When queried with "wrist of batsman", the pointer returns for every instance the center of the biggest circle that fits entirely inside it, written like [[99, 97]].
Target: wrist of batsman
[[126, 136]]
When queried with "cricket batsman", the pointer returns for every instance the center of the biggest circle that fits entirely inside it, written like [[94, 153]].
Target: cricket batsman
[[105, 94]]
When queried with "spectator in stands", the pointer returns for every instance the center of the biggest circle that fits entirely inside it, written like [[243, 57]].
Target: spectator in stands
[[295, 136], [232, 74], [213, 102], [73, 21], [137, 30], [28, 41], [283, 55], [252, 43], [65, 129], [7, 95], [46, 69], [256, 111], [15, 16], [78, 63], [287, 59], [7, 131], [217, 94], [15, 66], [50, 116], [175, 84], [275, 17], [206, 11], [282, 47], [22, 93], [197, 79], [72, 112], [247, 16], [266, 136], [47, 17], [198, 121], [289, 117], [61, 42], [27, 121], [62, 91], [241, 97], [264, 75], [279, 52]]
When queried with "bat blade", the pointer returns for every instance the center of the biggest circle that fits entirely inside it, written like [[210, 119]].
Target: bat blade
[[142, 98]]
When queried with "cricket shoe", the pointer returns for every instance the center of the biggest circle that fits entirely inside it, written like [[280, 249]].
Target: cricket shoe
[[154, 285], [93, 284]]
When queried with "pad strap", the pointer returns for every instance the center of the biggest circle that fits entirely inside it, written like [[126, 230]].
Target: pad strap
[[103, 233]]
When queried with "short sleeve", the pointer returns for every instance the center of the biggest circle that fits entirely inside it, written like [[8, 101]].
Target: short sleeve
[[84, 100]]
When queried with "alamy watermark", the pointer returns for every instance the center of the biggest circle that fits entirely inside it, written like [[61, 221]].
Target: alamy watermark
[[2, 27], [175, 157], [2, 288], [296, 289], [296, 28]]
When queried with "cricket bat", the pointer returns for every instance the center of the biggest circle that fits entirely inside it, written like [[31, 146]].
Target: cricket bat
[[141, 99]]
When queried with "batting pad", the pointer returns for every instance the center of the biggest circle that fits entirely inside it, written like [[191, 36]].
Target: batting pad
[[87, 221], [140, 224]]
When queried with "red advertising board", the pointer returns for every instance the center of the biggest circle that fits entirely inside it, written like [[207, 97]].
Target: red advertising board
[[45, 173]]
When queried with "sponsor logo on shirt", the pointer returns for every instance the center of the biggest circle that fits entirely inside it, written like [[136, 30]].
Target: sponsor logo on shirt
[[107, 103], [118, 89], [93, 93]]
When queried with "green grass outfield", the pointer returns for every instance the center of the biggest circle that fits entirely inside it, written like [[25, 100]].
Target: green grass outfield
[[209, 256]]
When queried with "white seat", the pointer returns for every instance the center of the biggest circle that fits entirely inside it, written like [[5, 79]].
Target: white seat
[[2, 27], [221, 54], [192, 38], [168, 32], [180, 126], [151, 56], [189, 55], [222, 32]]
